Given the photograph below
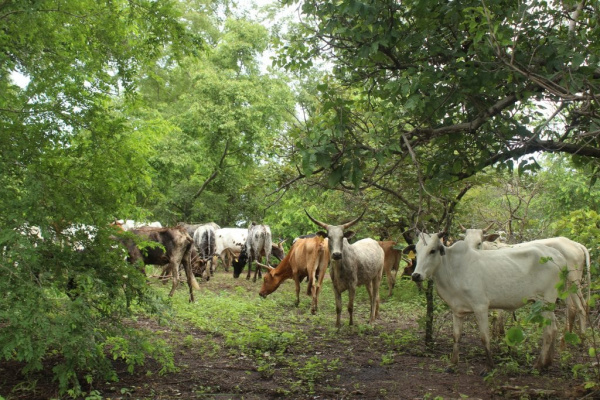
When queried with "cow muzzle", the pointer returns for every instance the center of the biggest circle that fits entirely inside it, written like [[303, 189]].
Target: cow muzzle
[[417, 277], [336, 256]]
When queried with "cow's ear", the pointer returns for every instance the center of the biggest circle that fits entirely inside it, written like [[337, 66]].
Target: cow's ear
[[442, 250], [491, 238], [349, 234], [409, 248], [322, 234]]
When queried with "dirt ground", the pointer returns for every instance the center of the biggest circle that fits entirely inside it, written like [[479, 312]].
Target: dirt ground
[[412, 372]]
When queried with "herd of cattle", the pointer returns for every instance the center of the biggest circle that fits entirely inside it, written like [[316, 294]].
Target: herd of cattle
[[472, 276]]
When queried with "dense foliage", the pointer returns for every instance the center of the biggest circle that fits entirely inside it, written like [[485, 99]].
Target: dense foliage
[[426, 114]]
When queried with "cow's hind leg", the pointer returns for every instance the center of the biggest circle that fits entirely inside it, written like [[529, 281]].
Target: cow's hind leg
[[484, 331], [391, 280], [457, 326], [548, 338], [369, 286], [376, 286], [297, 282]]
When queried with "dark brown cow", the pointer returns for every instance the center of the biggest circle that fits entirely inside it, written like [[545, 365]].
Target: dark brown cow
[[198, 264], [391, 262], [176, 249], [307, 258]]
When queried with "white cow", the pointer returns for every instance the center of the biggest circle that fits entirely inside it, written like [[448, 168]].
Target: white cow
[[230, 238], [353, 265], [578, 261], [259, 243], [128, 225], [229, 241], [475, 281]]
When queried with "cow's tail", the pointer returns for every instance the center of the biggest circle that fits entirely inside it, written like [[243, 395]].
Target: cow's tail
[[589, 278], [212, 243], [195, 284]]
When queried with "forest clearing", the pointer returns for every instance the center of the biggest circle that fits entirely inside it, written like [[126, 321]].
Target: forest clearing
[[231, 344]]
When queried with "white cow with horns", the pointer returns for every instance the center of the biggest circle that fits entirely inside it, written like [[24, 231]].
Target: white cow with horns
[[473, 281], [352, 265], [578, 263]]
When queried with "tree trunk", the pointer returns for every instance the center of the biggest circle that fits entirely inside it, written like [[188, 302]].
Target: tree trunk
[[429, 317]]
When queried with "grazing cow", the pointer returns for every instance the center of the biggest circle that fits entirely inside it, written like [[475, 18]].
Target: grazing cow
[[352, 265], [472, 281], [206, 244], [391, 262], [258, 244], [578, 261], [230, 242], [308, 258], [198, 264], [175, 249]]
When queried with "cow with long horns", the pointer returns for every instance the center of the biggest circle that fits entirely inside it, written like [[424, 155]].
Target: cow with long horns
[[352, 265]]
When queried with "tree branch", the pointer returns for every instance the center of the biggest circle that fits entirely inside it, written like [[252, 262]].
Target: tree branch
[[215, 172]]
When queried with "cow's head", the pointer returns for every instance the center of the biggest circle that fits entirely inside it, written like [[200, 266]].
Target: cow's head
[[240, 262], [270, 281], [336, 235], [278, 251], [474, 238], [429, 251]]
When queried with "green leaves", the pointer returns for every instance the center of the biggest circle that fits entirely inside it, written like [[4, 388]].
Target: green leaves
[[514, 336]]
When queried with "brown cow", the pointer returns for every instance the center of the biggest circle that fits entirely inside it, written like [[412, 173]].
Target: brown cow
[[391, 262], [175, 249], [307, 258]]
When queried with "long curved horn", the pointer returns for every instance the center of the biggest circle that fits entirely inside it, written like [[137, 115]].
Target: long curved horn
[[462, 227], [321, 224], [268, 267], [349, 224], [488, 227]]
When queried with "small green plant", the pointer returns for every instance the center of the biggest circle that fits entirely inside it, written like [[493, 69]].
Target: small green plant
[[314, 369], [94, 395], [387, 358]]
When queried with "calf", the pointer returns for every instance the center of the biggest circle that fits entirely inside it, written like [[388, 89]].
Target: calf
[[352, 265], [175, 249], [308, 258]]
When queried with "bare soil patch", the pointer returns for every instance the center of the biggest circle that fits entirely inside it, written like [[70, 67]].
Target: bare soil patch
[[364, 366]]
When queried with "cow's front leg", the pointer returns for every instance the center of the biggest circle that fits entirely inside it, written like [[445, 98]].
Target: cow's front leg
[[249, 268], [351, 293], [338, 307]]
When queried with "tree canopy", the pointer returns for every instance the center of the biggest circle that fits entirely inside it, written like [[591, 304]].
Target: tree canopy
[[463, 85]]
